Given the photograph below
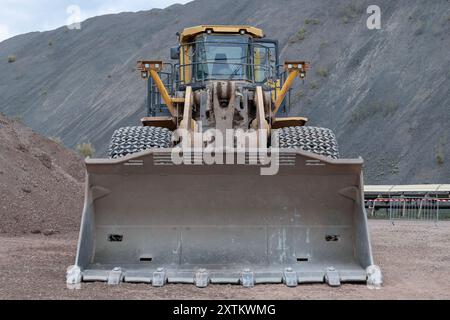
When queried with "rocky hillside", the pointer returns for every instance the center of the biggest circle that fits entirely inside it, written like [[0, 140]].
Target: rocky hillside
[[41, 183], [386, 93]]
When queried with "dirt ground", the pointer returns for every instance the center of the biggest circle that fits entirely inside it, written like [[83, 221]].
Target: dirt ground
[[414, 258]]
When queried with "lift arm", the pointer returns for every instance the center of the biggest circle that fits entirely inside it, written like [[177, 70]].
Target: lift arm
[[294, 69], [151, 68]]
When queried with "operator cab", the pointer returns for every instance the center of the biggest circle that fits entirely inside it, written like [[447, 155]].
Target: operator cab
[[211, 54], [233, 58], [224, 54]]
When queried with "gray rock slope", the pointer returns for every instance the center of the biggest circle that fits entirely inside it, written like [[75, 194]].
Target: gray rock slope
[[386, 93]]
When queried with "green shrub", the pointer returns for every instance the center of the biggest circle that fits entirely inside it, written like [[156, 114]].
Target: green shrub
[[18, 119], [312, 21], [364, 112], [440, 153], [56, 140], [323, 72], [418, 24], [323, 45], [12, 58], [85, 149], [314, 85], [440, 158], [351, 11], [299, 36], [420, 28], [394, 167]]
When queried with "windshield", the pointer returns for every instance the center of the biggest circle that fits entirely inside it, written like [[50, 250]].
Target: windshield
[[222, 57]]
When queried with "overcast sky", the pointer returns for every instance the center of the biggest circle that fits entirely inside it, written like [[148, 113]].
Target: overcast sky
[[21, 16]]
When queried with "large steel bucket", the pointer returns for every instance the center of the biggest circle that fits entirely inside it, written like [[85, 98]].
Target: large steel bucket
[[148, 220]]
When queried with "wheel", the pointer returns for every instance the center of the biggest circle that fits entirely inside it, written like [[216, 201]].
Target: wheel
[[129, 140], [313, 139]]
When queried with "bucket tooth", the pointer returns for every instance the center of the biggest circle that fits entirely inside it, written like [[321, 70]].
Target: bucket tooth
[[290, 278], [201, 279], [159, 278], [115, 276], [248, 278], [332, 277], [73, 277], [374, 277]]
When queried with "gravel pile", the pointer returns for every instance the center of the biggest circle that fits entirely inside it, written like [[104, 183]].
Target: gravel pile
[[41, 183]]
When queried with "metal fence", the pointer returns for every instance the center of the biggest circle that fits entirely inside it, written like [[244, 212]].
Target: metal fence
[[409, 208]]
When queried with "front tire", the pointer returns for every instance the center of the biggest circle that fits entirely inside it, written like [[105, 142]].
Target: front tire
[[317, 140], [129, 140]]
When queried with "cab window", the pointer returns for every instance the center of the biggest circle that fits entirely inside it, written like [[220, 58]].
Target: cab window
[[221, 57], [265, 61]]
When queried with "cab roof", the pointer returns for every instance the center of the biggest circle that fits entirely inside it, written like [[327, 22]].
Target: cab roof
[[191, 32]]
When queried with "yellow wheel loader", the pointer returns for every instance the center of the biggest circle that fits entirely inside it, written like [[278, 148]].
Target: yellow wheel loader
[[219, 185]]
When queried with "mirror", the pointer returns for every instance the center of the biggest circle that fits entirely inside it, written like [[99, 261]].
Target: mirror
[[175, 53]]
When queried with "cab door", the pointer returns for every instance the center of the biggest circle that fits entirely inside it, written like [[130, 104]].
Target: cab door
[[265, 61]]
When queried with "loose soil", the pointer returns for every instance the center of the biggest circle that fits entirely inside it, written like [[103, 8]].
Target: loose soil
[[414, 258]]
